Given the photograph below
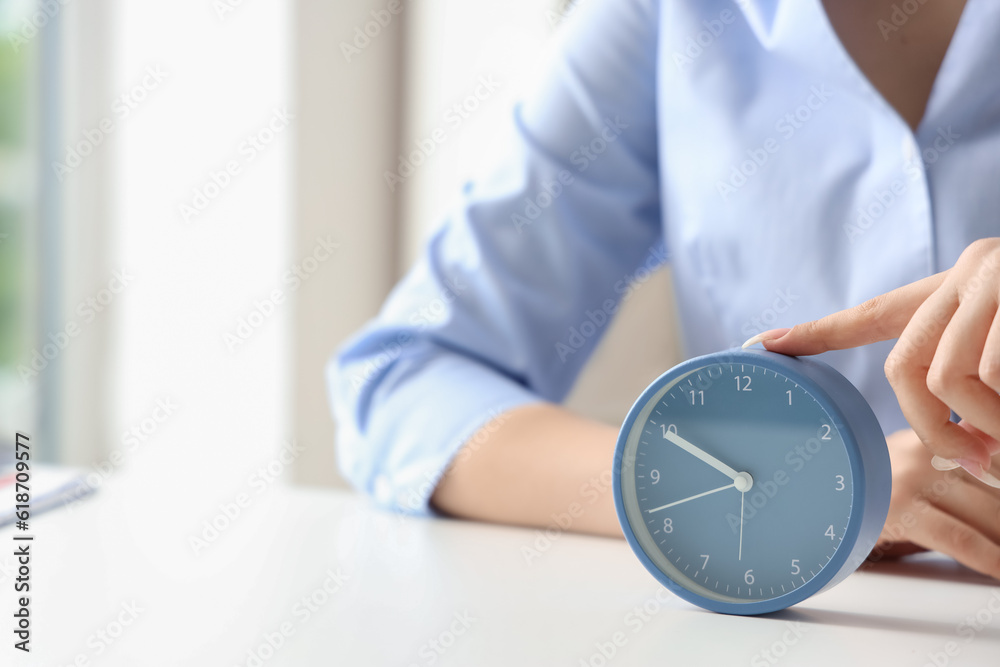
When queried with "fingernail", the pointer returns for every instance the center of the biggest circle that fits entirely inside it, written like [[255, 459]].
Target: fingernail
[[765, 336], [977, 471], [943, 464]]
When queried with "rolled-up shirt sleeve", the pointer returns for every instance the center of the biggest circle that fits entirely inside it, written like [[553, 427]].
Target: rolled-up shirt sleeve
[[517, 286]]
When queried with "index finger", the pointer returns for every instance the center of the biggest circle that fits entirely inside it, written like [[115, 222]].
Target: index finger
[[881, 318]]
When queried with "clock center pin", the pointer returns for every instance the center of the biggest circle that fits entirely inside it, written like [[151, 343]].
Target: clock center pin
[[743, 482]]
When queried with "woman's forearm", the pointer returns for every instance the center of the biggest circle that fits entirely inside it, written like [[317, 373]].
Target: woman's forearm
[[540, 466]]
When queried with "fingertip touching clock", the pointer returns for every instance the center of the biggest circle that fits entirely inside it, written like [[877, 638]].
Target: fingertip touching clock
[[746, 481]]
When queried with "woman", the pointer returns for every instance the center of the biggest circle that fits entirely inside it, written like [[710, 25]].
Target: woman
[[838, 154]]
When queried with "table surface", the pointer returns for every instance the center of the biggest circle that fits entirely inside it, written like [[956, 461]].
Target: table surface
[[317, 577]]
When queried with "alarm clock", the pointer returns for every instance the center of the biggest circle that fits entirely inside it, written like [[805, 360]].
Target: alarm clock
[[746, 481]]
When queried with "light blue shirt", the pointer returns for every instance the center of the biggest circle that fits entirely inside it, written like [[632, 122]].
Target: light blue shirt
[[737, 141]]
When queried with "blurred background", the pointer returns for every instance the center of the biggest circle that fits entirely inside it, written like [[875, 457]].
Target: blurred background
[[195, 212]]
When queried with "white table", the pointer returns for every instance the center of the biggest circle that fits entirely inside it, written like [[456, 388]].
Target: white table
[[420, 592]]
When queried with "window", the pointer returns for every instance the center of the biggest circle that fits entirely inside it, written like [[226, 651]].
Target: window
[[18, 196]]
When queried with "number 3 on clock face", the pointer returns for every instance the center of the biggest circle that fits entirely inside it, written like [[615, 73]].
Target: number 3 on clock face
[[746, 481]]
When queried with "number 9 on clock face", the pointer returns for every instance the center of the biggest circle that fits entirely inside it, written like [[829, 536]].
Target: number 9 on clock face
[[747, 481]]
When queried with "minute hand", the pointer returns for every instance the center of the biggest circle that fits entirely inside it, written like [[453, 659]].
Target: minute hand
[[701, 454]]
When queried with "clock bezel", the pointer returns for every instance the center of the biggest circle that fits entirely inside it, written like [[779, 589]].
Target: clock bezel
[[869, 463]]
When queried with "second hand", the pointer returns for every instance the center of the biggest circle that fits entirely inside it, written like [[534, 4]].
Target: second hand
[[743, 496], [700, 495]]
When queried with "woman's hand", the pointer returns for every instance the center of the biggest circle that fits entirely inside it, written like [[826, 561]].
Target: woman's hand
[[947, 356], [946, 511]]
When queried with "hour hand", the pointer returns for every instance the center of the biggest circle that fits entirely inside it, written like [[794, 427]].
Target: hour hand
[[741, 480]]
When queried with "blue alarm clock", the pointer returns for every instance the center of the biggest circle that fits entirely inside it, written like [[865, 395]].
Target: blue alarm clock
[[746, 481]]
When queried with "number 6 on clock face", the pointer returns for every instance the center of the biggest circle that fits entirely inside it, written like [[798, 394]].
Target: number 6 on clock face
[[753, 480]]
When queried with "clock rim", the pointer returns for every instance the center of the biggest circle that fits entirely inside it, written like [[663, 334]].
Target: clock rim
[[870, 472]]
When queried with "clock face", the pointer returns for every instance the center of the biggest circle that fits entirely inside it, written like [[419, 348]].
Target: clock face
[[736, 482]]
